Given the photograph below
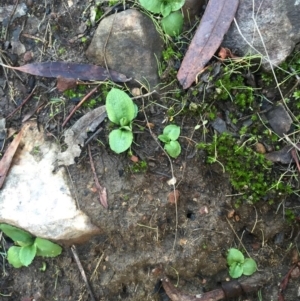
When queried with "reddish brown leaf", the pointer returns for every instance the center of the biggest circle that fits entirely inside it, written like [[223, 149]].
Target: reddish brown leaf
[[64, 84], [209, 35], [9, 154], [71, 70]]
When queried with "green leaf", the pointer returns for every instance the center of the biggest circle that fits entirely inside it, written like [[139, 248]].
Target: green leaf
[[176, 4], [16, 234], [119, 106], [234, 255], [164, 138], [27, 254], [165, 9], [172, 24], [172, 131], [47, 248], [236, 270], [249, 266], [173, 149], [151, 5], [120, 140], [13, 256]]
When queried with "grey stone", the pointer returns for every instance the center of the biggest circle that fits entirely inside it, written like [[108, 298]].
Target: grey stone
[[219, 125], [39, 201], [279, 120], [128, 43], [278, 23]]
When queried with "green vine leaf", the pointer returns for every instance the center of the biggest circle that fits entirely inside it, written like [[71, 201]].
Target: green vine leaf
[[173, 148], [234, 255], [13, 257], [236, 270], [120, 107], [17, 235], [249, 266], [27, 254], [173, 24], [120, 140], [47, 248], [172, 131], [154, 5]]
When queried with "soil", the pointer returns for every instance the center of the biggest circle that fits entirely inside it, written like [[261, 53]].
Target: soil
[[142, 228]]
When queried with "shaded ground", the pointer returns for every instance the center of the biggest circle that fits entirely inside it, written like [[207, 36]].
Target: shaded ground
[[141, 229]]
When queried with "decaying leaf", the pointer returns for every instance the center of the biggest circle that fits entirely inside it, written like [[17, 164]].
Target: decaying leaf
[[2, 133], [71, 70], [64, 84], [9, 154], [209, 35], [76, 135]]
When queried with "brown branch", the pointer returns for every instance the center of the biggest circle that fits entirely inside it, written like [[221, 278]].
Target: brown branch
[[22, 104], [79, 104], [83, 275]]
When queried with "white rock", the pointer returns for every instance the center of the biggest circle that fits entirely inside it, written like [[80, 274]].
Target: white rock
[[38, 200]]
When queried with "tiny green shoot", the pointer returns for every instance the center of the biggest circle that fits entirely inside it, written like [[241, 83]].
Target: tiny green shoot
[[239, 265], [27, 247], [121, 110], [169, 136]]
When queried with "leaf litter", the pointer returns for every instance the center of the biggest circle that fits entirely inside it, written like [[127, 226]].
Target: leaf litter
[[209, 36], [71, 70], [76, 135]]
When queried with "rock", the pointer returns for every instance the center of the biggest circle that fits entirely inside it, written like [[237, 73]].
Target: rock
[[39, 201], [284, 155], [277, 21], [279, 120], [129, 43], [219, 125]]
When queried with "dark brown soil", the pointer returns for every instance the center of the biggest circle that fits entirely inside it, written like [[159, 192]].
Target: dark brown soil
[[141, 229]]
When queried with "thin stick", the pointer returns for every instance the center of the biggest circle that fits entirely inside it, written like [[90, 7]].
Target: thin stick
[[101, 190], [22, 104], [83, 275], [79, 104], [238, 237], [10, 17]]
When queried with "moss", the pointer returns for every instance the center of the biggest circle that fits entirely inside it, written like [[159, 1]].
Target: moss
[[251, 175]]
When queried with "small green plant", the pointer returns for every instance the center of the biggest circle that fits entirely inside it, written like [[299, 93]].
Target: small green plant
[[140, 166], [169, 137], [27, 246], [121, 110], [239, 265], [172, 20]]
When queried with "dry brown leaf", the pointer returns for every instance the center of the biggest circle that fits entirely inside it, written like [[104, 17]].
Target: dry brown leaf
[[9, 154], [76, 135], [209, 35]]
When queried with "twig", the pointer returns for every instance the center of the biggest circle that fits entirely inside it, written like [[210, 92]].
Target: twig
[[83, 275], [10, 17], [22, 104], [231, 289], [238, 237], [101, 190], [79, 104]]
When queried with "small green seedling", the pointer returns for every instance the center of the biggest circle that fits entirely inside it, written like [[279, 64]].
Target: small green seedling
[[239, 265], [172, 20], [27, 246], [169, 137], [121, 110]]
